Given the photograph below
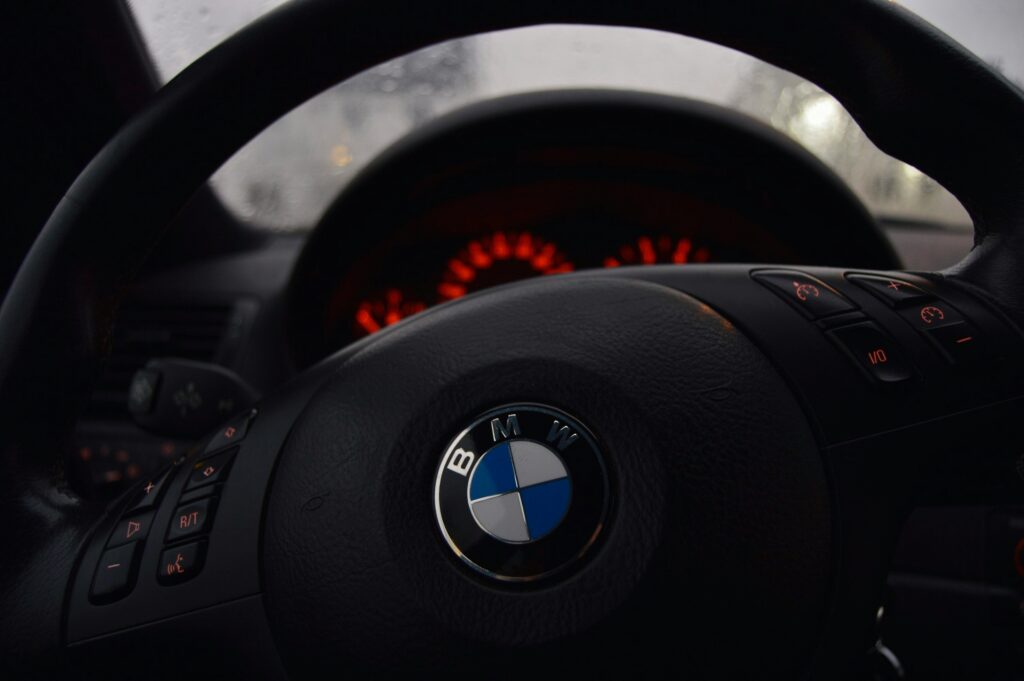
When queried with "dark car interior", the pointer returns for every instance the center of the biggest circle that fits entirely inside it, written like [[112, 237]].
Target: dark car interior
[[232, 452]]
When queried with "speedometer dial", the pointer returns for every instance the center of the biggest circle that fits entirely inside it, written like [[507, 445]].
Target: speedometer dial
[[499, 258]]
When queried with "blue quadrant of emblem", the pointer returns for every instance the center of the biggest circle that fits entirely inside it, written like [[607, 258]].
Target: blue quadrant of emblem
[[494, 474], [545, 506]]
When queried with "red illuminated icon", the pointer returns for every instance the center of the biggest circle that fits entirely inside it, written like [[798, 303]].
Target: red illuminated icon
[[208, 471], [176, 568], [188, 520], [878, 357], [805, 291], [965, 339], [895, 285], [133, 528], [230, 431], [148, 487], [931, 314]]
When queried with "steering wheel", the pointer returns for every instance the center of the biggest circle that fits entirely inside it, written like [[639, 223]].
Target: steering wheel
[[697, 470]]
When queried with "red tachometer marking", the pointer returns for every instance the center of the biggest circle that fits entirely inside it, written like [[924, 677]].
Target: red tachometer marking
[[524, 246], [366, 321], [682, 253], [478, 258], [499, 246], [647, 254], [664, 249], [544, 259], [461, 270], [451, 291]]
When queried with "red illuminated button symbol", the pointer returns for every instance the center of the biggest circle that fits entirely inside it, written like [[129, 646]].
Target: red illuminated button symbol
[[877, 357], [229, 432], [188, 520], [180, 563], [148, 487], [176, 567], [208, 471], [805, 291], [894, 285], [931, 314], [133, 528]]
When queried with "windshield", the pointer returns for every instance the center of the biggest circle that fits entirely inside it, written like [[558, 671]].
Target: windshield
[[285, 178]]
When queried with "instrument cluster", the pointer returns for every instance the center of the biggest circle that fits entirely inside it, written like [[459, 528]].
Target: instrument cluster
[[474, 242]]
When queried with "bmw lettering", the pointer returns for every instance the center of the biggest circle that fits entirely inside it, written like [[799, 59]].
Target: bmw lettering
[[521, 493]]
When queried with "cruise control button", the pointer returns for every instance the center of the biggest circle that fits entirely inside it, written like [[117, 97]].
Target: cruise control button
[[895, 292], [931, 315], [181, 563], [131, 529], [114, 573], [874, 352], [190, 519], [231, 433], [959, 342], [811, 296], [209, 471]]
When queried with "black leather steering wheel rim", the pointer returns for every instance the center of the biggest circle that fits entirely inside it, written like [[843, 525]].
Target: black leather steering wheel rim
[[887, 67]]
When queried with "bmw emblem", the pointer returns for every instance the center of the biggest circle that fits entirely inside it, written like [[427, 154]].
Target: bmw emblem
[[521, 493]]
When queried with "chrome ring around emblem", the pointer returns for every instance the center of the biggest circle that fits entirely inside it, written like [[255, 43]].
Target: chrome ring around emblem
[[522, 492]]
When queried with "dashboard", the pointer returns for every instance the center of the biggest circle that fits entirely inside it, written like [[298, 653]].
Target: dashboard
[[542, 184]]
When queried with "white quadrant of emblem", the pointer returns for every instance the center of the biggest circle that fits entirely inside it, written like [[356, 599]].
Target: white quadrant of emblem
[[519, 491]]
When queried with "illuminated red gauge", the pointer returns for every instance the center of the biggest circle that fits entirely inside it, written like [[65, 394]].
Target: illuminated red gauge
[[654, 250], [497, 259], [373, 315]]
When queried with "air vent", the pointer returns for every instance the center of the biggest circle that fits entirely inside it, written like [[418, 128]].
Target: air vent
[[145, 331]]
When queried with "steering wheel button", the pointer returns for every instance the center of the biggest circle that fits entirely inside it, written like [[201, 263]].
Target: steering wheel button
[[199, 493], [811, 296], [114, 573], [190, 519], [131, 529], [959, 342], [895, 292], [874, 352], [232, 432], [931, 315], [150, 492], [211, 470], [181, 563]]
